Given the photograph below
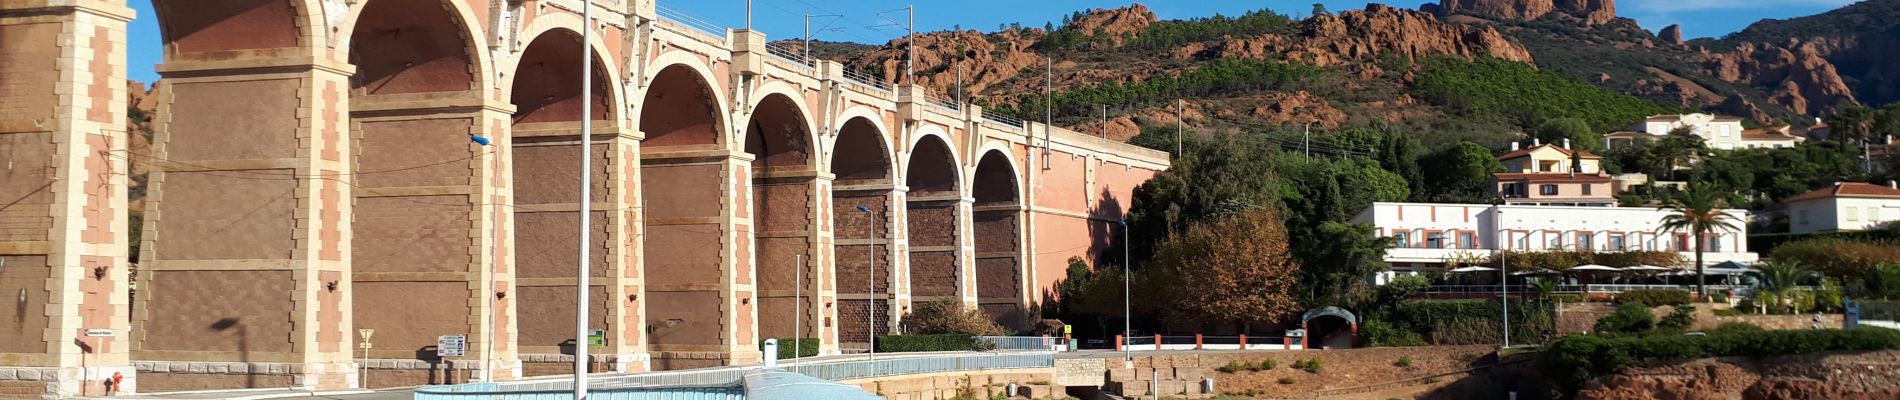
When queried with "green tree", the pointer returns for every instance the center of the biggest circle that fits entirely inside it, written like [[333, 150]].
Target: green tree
[[1698, 210], [1576, 130], [1460, 173], [1781, 278], [1854, 124]]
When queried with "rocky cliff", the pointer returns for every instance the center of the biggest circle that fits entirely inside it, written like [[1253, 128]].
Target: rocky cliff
[[1355, 36], [1855, 43], [1593, 11], [1796, 75], [1847, 376]]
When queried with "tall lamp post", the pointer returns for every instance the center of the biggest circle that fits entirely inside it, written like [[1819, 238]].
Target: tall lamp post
[[1127, 331], [1504, 266], [870, 329], [581, 341]]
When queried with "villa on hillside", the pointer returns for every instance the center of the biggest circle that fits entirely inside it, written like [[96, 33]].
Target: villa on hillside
[[1717, 132], [1428, 236], [1546, 174], [1846, 206]]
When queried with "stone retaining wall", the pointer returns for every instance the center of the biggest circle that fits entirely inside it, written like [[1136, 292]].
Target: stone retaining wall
[[1032, 384]]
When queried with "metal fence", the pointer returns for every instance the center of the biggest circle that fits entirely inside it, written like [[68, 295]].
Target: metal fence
[[688, 20], [1592, 288], [493, 391], [1043, 343], [786, 53], [838, 371], [868, 82], [1002, 119], [942, 102]]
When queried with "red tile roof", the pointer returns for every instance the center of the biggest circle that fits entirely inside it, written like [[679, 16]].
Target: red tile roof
[[1764, 134], [1524, 151], [1848, 189], [1547, 177]]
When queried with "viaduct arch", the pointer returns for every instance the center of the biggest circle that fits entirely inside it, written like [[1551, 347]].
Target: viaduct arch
[[313, 174]]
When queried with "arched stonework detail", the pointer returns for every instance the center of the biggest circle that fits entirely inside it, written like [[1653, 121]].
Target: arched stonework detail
[[570, 25], [870, 121], [786, 196], [865, 168], [415, 46], [547, 89], [680, 109], [934, 216], [796, 99], [208, 26], [997, 226]]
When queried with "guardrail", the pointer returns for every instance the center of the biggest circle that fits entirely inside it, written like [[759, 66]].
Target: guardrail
[[870, 83], [1204, 342], [941, 102], [787, 54], [1591, 288], [688, 20], [839, 371], [486, 391], [1002, 119], [1043, 343]]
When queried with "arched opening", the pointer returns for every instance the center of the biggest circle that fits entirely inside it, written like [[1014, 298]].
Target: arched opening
[[1329, 327], [692, 246], [227, 25], [934, 213], [546, 150], [996, 220], [404, 51], [785, 196], [861, 164]]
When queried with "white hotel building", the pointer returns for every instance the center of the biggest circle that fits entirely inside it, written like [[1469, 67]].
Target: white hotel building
[[1430, 235]]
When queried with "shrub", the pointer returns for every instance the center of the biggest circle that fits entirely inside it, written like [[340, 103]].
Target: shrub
[[1231, 367], [1681, 318], [1286, 380], [1268, 364], [944, 316], [1575, 360], [1655, 297], [806, 347], [1442, 322], [1403, 362], [1735, 327], [1628, 318], [1567, 298], [1726, 312], [939, 342], [1312, 365], [1381, 333]]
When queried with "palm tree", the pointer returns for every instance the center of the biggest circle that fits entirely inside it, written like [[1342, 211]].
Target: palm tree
[[1699, 211], [1780, 278]]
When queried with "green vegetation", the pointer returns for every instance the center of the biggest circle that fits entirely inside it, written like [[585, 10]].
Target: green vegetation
[[806, 347], [1167, 35], [1655, 297], [1565, 260], [1700, 210], [1222, 77], [1313, 365], [1871, 266], [1451, 322], [1574, 360], [923, 342], [945, 316], [1236, 366], [1524, 95], [1403, 362], [1628, 318], [1679, 319], [1287, 380]]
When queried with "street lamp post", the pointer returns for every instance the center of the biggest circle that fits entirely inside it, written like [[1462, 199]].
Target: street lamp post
[[581, 342], [870, 329], [1504, 266], [1127, 332]]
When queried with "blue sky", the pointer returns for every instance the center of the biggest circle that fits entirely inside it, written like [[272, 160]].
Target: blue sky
[[784, 18]]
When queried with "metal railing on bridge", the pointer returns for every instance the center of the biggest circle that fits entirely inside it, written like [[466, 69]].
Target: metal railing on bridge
[[942, 102], [786, 53], [1205, 342], [1002, 119], [1043, 343], [839, 371], [865, 80], [688, 20]]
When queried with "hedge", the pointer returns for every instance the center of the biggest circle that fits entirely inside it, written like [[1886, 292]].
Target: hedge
[[806, 347], [1765, 243], [941, 342], [1443, 322], [1575, 360], [1655, 297]]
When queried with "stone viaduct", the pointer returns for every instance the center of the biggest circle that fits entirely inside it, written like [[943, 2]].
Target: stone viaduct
[[313, 173]]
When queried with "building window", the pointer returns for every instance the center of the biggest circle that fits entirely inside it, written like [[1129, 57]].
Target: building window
[[1586, 189], [1715, 243], [1524, 242], [1853, 214], [1616, 242], [1402, 239], [1547, 190], [1556, 242], [1467, 240], [1873, 214], [1801, 217], [1584, 242], [1435, 240]]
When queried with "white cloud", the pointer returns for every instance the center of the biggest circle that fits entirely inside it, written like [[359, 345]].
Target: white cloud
[[1670, 6]]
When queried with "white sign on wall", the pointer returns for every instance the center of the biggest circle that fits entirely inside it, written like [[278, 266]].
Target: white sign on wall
[[451, 346]]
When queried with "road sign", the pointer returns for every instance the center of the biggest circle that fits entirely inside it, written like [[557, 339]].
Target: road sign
[[366, 333], [1068, 329], [597, 339], [451, 346], [363, 345], [100, 333]]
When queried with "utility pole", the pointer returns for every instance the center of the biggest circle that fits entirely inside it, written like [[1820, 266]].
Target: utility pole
[[581, 342], [1048, 108], [1504, 265], [822, 29], [748, 16], [1180, 125], [1104, 108], [1306, 144], [1128, 330], [910, 51], [959, 62]]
